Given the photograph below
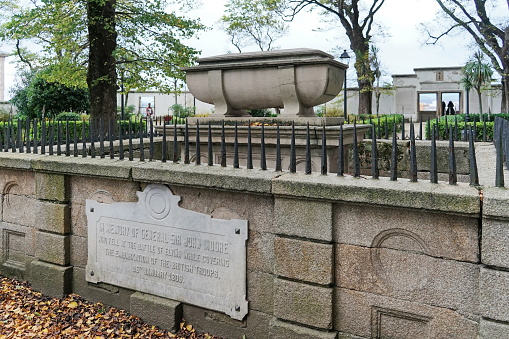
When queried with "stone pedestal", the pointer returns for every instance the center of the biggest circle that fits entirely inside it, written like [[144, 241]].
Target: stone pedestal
[[270, 137], [295, 80]]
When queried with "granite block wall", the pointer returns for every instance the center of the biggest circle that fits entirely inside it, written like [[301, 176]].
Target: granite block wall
[[494, 276], [327, 257]]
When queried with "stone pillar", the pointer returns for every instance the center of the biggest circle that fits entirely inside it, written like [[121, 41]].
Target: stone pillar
[[51, 272]]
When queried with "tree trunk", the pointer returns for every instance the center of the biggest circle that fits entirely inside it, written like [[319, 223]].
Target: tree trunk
[[102, 75], [377, 98], [365, 98], [360, 45], [480, 99], [365, 82], [504, 57], [505, 92]]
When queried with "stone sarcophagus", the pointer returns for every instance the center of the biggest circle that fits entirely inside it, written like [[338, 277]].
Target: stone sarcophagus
[[295, 80]]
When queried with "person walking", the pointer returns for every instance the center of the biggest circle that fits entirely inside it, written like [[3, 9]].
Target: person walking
[[150, 111]]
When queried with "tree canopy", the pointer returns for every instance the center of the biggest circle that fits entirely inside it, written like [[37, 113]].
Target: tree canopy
[[36, 97], [147, 41], [476, 74], [254, 22], [51, 33]]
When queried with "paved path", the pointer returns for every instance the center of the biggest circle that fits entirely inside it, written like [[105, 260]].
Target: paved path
[[485, 154]]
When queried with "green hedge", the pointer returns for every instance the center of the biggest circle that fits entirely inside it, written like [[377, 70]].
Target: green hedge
[[11, 129], [380, 122], [457, 123]]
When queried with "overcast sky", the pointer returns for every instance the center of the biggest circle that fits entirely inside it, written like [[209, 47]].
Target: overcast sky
[[400, 52]]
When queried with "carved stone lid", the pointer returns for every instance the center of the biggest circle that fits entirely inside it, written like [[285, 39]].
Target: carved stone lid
[[283, 57]]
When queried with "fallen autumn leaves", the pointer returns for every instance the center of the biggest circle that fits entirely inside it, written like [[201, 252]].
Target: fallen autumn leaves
[[25, 313]]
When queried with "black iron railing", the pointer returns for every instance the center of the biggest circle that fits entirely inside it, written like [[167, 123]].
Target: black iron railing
[[137, 140], [460, 129], [501, 141]]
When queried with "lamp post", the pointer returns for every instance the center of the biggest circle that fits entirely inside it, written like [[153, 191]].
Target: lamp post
[[345, 58]]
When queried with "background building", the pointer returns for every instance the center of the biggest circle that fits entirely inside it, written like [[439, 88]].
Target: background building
[[2, 76], [420, 95], [162, 103], [416, 96]]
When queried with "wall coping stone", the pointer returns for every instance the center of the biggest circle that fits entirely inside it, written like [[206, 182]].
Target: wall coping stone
[[238, 179], [460, 198], [495, 202], [112, 168], [18, 160], [495, 199]]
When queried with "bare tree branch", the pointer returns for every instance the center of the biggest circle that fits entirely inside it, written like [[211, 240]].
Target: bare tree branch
[[20, 55], [492, 40], [438, 37], [357, 23], [478, 35]]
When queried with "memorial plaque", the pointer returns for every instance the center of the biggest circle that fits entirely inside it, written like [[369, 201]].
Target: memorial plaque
[[155, 246]]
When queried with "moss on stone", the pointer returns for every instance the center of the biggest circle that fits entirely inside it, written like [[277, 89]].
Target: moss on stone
[[51, 187]]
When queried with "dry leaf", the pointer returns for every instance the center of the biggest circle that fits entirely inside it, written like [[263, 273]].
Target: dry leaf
[[28, 314], [72, 304]]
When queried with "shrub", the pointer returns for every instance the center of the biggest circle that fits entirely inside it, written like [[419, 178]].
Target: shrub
[[331, 109], [132, 117], [173, 119], [36, 97], [381, 122], [264, 112], [179, 120], [183, 112], [4, 115], [129, 109], [51, 127], [71, 116], [457, 122]]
